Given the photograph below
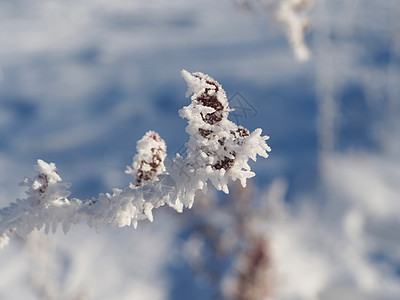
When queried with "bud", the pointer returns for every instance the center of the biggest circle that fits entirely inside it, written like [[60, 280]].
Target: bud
[[148, 163]]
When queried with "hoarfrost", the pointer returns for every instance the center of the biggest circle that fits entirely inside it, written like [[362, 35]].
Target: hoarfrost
[[218, 151]]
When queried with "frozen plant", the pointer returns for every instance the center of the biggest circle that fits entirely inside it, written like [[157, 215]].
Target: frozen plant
[[227, 243], [45, 279], [149, 161], [292, 16], [218, 150], [289, 13]]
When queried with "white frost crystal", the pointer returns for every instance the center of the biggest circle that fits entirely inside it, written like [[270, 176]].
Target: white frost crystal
[[218, 150]]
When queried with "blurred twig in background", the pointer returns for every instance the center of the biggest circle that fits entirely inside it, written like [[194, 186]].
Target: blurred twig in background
[[229, 241]]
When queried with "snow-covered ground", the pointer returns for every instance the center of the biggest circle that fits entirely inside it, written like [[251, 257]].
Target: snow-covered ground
[[82, 81]]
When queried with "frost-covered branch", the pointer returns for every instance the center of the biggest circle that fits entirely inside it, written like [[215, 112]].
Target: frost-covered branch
[[293, 18], [218, 150], [289, 13]]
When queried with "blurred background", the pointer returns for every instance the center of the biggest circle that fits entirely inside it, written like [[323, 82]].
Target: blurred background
[[82, 81]]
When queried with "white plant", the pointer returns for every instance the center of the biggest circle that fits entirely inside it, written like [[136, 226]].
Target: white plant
[[294, 20], [290, 14], [218, 150]]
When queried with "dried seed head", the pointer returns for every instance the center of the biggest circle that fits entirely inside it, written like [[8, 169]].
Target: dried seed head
[[209, 98], [148, 163]]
